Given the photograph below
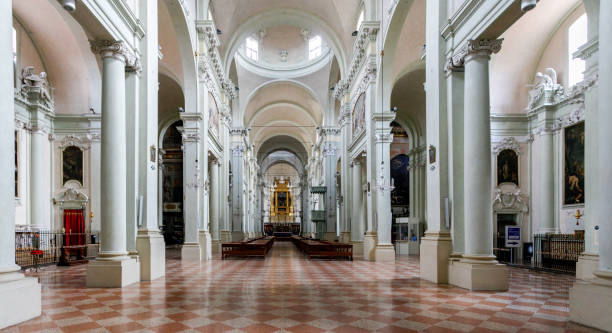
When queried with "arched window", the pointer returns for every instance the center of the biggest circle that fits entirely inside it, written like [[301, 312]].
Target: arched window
[[252, 48], [360, 18], [314, 47], [577, 36]]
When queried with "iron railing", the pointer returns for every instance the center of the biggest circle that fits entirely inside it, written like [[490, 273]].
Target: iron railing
[[37, 247], [548, 252]]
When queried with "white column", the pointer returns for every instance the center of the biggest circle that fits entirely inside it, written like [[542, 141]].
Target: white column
[[112, 258], [20, 298], [132, 157], [357, 218], [547, 183], [193, 185], [590, 302], [149, 241], [436, 246], [478, 269], [39, 178], [215, 193], [385, 251]]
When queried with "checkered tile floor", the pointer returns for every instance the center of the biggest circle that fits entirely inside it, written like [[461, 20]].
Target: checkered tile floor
[[287, 293]]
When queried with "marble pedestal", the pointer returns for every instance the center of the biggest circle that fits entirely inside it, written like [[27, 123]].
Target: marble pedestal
[[357, 249], [435, 250], [369, 246], [152, 252], [330, 236], [112, 272], [384, 253], [479, 275], [590, 302], [20, 297], [345, 237], [215, 246], [190, 252], [586, 266], [205, 245], [225, 236]]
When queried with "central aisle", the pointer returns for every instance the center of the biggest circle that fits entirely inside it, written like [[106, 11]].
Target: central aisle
[[288, 292]]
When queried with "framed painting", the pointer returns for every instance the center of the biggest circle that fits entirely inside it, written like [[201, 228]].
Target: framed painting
[[573, 141], [72, 164], [507, 167], [359, 114], [213, 115]]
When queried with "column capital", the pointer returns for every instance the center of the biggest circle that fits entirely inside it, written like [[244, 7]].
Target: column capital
[[475, 48], [116, 49]]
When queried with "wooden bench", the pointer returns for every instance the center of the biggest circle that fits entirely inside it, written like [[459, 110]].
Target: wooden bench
[[313, 248], [257, 247]]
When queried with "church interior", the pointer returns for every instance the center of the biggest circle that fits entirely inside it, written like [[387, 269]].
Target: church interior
[[305, 166]]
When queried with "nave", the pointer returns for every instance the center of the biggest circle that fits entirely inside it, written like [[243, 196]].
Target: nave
[[287, 292]]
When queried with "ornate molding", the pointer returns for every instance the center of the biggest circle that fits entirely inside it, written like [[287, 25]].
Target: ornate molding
[[73, 140], [190, 137], [507, 143], [510, 197]]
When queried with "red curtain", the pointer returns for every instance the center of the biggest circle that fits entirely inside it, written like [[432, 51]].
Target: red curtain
[[74, 226]]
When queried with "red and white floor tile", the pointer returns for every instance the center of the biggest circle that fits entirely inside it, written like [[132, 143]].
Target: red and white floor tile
[[287, 293]]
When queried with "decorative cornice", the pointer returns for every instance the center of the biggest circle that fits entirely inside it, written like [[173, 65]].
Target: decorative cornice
[[73, 140], [368, 32], [587, 50]]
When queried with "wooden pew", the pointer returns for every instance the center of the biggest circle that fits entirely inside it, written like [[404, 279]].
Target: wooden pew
[[257, 247], [313, 248]]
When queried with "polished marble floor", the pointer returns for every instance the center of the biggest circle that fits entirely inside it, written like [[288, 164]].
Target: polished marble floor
[[287, 293]]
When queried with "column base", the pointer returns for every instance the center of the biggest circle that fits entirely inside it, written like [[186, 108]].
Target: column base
[[152, 251], [384, 253], [20, 297], [205, 245], [345, 237], [111, 272], [225, 236], [190, 252], [590, 302], [215, 246], [586, 266], [330, 236], [434, 257], [479, 275], [369, 246], [357, 249], [237, 236]]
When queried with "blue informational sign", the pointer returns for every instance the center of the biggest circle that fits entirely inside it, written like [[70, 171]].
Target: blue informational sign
[[513, 236]]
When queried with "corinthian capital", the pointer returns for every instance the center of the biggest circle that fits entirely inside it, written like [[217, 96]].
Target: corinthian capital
[[476, 47], [115, 49]]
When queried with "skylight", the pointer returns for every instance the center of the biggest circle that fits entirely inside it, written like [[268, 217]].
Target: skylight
[[314, 47], [252, 48]]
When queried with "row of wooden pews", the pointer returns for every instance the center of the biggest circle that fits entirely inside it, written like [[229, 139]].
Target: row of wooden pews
[[314, 248], [256, 247]]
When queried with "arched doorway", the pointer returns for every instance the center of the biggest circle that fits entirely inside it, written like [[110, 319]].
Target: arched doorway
[[173, 226]]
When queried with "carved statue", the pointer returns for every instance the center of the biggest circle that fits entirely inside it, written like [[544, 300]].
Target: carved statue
[[546, 81], [36, 83]]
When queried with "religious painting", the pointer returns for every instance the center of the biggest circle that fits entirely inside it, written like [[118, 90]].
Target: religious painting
[[72, 164], [359, 114], [400, 173], [507, 167], [574, 164], [213, 115]]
